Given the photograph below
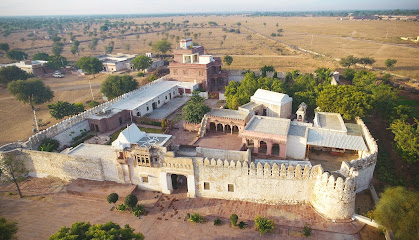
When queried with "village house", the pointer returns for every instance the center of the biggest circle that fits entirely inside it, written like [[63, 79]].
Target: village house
[[121, 62], [36, 67]]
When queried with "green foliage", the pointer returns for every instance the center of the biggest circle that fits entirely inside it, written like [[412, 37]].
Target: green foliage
[[41, 56], [57, 62], [90, 65], [109, 230], [263, 225], [390, 62], [406, 137], [162, 46], [218, 222], [164, 123], [348, 61], [12, 169], [242, 225], [366, 61], [32, 91], [18, 55], [195, 109], [307, 230], [385, 171], [142, 62], [122, 207], [49, 145], [349, 74], [112, 198], [92, 104], [131, 201], [115, 85], [12, 73], [60, 109], [196, 218], [398, 210], [140, 74], [228, 60], [233, 219], [152, 77], [138, 210], [93, 44], [265, 69], [57, 48], [348, 100], [364, 78], [8, 230], [4, 47]]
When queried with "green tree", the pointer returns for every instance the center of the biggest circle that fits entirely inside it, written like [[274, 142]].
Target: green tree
[[90, 65], [8, 230], [348, 100], [4, 47], [31, 91], [109, 230], [16, 55], [348, 61], [142, 62], [390, 62], [57, 48], [12, 170], [195, 109], [263, 225], [406, 137], [41, 56], [398, 210], [131, 201], [93, 44], [349, 74], [109, 48], [162, 46], [61, 109], [228, 60], [12, 73], [114, 85], [366, 61], [112, 198], [234, 219], [364, 78], [57, 62]]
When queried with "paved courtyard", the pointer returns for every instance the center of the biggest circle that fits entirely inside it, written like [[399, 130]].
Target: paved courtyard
[[168, 108], [47, 207], [220, 140]]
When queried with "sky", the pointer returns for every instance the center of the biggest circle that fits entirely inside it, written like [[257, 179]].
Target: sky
[[93, 7]]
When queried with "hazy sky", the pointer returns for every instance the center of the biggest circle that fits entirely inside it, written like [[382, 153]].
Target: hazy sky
[[70, 7]]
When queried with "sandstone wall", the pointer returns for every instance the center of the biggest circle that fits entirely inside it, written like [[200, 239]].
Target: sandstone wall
[[65, 137], [223, 154]]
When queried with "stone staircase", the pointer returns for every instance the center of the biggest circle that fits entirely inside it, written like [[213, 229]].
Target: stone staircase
[[203, 127]]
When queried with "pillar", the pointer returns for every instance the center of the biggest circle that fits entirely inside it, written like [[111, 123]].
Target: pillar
[[283, 151], [256, 146], [268, 148], [216, 127], [231, 128], [191, 186], [166, 183]]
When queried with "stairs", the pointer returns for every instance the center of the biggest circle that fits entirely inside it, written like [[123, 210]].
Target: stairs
[[203, 128]]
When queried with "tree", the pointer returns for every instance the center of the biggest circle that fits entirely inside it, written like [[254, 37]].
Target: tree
[[16, 55], [4, 47], [60, 109], [234, 219], [390, 63], [364, 78], [406, 137], [348, 61], [57, 48], [90, 65], [162, 46], [109, 48], [114, 85], [348, 100], [366, 61], [12, 73], [142, 62], [228, 60], [8, 230], [195, 109], [93, 44], [12, 170], [41, 56], [112, 198], [32, 91], [131, 201], [398, 210], [57, 62], [349, 74], [263, 225], [109, 230]]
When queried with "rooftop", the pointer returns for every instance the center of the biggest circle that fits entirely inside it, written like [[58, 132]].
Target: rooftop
[[325, 138], [93, 151], [153, 139], [297, 130], [330, 121], [269, 125], [133, 135], [250, 106], [270, 97], [227, 113]]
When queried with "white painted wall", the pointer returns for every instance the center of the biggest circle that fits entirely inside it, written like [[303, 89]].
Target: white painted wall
[[296, 147]]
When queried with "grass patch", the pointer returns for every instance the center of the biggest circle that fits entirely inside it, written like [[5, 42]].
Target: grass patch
[[408, 102], [115, 135]]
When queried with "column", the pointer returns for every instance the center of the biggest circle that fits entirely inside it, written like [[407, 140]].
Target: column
[[166, 183], [191, 186], [283, 151], [216, 127], [256, 146], [268, 148], [231, 128]]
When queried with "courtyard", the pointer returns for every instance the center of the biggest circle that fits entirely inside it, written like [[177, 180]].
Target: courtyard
[[47, 207], [220, 140]]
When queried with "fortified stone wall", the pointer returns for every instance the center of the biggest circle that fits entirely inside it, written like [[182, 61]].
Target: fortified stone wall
[[65, 137], [223, 154], [275, 185]]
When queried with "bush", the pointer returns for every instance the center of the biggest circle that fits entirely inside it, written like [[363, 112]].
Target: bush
[[92, 104], [138, 210], [307, 230], [263, 225], [196, 218], [140, 74], [49, 145], [164, 123], [218, 222], [242, 225], [349, 74], [233, 219], [112, 198], [131, 201], [121, 207], [152, 77]]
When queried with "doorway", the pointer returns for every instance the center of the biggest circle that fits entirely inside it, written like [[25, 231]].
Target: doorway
[[179, 183]]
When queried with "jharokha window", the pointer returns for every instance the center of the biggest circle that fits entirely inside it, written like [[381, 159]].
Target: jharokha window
[[143, 160]]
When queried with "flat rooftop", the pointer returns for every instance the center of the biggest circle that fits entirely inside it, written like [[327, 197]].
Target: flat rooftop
[[325, 138], [250, 105], [153, 139], [332, 121], [270, 125], [227, 113], [93, 151], [106, 114], [297, 130]]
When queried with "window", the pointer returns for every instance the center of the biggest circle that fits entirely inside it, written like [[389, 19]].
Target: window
[[166, 97], [206, 186], [185, 72], [230, 187], [175, 71], [144, 179], [158, 102], [147, 108], [201, 73], [138, 114]]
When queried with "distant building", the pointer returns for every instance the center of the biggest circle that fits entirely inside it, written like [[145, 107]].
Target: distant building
[[190, 64], [121, 61], [36, 67]]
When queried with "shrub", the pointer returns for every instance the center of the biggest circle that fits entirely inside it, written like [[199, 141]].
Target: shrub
[[307, 230], [218, 222], [92, 104], [138, 210], [188, 215], [196, 218], [233, 219], [263, 225], [49, 145], [349, 74], [131, 201], [164, 123], [152, 77], [140, 74], [112, 198], [121, 207], [242, 225]]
